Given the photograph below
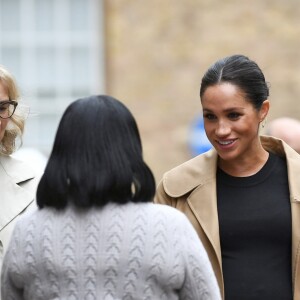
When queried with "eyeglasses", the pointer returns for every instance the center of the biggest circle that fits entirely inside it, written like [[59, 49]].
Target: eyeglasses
[[7, 108]]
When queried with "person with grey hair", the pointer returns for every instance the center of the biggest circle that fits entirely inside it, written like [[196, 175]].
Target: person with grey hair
[[286, 129], [18, 181]]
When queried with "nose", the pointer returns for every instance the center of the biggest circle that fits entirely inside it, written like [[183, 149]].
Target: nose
[[222, 129]]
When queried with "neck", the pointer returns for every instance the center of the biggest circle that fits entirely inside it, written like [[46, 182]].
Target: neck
[[246, 166]]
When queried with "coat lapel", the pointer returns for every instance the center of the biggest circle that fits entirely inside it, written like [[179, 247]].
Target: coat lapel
[[198, 179], [295, 206], [14, 198], [293, 165], [203, 203]]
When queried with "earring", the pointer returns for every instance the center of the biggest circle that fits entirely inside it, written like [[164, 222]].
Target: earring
[[263, 123]]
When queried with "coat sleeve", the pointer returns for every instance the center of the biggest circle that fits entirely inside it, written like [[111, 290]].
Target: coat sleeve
[[11, 280], [200, 281]]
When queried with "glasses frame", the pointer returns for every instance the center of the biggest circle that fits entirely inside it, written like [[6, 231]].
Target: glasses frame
[[14, 103]]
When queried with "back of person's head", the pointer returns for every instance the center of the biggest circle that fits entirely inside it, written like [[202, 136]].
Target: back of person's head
[[96, 158], [16, 123], [242, 72], [286, 129]]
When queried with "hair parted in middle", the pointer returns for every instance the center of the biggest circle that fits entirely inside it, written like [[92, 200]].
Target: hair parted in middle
[[242, 72], [96, 158]]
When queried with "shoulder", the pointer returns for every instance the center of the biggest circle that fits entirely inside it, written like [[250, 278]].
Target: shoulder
[[166, 210], [187, 176], [282, 149], [292, 158], [16, 169], [32, 215], [175, 225], [165, 214]]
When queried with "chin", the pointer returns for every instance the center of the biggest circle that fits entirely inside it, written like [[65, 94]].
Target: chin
[[227, 156]]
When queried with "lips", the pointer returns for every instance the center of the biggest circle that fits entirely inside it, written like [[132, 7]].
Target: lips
[[226, 142]]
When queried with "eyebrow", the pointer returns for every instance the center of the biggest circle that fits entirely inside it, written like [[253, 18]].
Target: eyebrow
[[225, 110]]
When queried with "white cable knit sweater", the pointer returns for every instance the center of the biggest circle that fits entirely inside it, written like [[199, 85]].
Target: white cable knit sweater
[[130, 252]]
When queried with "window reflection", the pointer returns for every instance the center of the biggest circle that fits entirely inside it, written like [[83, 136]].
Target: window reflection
[[50, 46], [80, 67], [11, 57], [46, 68], [79, 15], [10, 15], [44, 16]]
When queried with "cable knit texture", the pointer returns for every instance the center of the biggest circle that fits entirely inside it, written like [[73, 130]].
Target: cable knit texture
[[130, 252]]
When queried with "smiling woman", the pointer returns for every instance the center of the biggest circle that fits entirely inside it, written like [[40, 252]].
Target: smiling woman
[[238, 195], [231, 125]]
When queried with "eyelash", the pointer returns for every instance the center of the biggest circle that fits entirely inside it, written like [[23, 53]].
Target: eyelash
[[3, 108], [232, 115], [209, 116]]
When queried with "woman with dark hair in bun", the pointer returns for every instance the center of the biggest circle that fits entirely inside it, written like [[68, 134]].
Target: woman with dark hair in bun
[[243, 196]]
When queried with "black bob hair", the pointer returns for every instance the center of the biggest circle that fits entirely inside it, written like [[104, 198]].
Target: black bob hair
[[96, 158]]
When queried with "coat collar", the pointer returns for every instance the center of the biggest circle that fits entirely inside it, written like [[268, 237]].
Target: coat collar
[[280, 148], [192, 174], [16, 169], [202, 169], [293, 167], [14, 198], [198, 179]]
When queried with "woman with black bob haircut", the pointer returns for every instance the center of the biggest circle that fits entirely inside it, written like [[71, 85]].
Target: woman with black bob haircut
[[96, 158], [243, 195], [98, 234]]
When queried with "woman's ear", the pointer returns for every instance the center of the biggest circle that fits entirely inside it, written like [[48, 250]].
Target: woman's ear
[[264, 109]]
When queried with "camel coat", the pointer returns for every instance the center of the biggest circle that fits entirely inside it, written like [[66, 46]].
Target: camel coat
[[191, 188]]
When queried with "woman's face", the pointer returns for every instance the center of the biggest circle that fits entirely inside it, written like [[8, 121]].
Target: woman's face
[[231, 122], [3, 122]]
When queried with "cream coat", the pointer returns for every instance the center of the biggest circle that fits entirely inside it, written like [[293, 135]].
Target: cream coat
[[191, 188], [17, 192]]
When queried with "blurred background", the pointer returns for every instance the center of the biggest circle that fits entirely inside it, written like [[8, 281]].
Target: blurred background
[[149, 54]]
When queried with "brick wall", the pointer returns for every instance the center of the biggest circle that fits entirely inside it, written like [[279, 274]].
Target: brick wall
[[158, 50]]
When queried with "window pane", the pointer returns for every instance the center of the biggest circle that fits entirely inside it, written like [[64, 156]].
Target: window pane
[[44, 16], [10, 15], [46, 71], [11, 60], [80, 68], [49, 124], [79, 92], [40, 131], [79, 14]]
